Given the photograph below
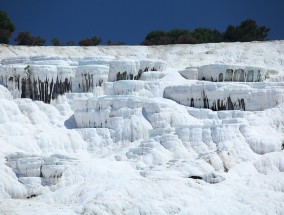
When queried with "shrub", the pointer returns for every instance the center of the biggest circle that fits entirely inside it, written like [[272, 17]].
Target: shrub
[[186, 39], [56, 42], [24, 38], [175, 36], [207, 35], [93, 41], [155, 38]]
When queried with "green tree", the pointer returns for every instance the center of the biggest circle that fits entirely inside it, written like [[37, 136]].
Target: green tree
[[6, 28], [38, 41], [93, 41], [175, 36], [186, 39], [231, 34], [247, 31], [56, 42], [25, 38], [155, 38], [207, 35]]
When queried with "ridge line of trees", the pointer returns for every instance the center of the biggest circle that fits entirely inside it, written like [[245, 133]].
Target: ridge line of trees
[[245, 32]]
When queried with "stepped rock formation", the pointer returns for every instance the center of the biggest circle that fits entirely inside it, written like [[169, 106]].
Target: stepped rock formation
[[142, 130]]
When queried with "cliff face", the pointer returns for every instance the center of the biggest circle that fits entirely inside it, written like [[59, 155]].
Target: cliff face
[[142, 130]]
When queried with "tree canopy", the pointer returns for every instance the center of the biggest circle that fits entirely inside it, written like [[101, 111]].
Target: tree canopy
[[207, 35], [55, 42], [93, 41], [25, 38], [245, 32], [6, 28]]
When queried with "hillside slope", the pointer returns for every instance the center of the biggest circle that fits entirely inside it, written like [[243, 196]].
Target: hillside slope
[[178, 129]]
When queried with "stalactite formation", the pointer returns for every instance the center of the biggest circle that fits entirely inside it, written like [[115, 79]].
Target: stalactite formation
[[43, 90], [220, 104], [220, 96], [89, 82], [227, 73], [128, 76]]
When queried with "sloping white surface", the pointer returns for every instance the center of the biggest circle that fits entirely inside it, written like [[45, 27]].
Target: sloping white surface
[[123, 148]]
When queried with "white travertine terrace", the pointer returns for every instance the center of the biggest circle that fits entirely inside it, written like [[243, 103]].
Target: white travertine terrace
[[178, 129]]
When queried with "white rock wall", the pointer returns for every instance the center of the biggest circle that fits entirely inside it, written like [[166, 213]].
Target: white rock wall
[[219, 96], [122, 115]]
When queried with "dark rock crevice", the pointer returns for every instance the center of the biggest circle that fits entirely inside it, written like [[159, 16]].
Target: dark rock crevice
[[37, 89]]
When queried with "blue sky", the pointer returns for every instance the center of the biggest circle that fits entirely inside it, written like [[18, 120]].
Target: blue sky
[[130, 21]]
